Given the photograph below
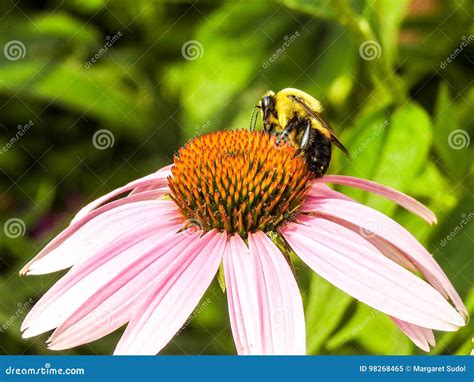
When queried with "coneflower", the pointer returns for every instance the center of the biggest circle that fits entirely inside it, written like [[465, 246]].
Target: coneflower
[[234, 198]]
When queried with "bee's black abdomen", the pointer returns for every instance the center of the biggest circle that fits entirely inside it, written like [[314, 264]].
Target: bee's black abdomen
[[318, 153]]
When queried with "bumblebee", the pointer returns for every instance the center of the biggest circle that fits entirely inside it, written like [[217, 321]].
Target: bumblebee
[[294, 116]]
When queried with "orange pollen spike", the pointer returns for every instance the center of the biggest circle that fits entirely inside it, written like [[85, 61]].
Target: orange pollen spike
[[238, 181]]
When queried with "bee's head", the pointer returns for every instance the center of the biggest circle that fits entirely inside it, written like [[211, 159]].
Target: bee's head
[[267, 104]]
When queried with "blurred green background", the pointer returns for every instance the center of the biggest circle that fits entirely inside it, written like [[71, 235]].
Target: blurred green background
[[96, 93]]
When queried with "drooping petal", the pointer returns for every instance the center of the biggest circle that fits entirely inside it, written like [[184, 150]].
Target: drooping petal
[[166, 309], [86, 278], [265, 307], [383, 246], [372, 223], [421, 337], [392, 252], [321, 189], [398, 197], [369, 276], [143, 193], [157, 179], [80, 240], [163, 173], [378, 244], [113, 304]]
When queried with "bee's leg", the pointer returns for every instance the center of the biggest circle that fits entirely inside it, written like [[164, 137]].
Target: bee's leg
[[254, 117], [306, 136], [305, 140], [285, 133]]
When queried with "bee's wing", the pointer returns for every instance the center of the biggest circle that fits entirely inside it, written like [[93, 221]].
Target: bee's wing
[[334, 138], [324, 124]]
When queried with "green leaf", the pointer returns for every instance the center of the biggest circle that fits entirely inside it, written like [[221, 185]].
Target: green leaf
[[221, 277], [364, 142], [453, 246], [96, 91], [447, 343], [335, 63], [372, 330], [403, 153], [64, 25], [319, 8], [466, 348], [380, 97], [450, 140], [323, 312], [433, 186], [432, 189]]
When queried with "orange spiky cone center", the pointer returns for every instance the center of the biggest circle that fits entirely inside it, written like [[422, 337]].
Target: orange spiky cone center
[[238, 181]]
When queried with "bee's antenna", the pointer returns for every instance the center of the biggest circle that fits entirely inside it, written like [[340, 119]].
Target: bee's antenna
[[253, 118]]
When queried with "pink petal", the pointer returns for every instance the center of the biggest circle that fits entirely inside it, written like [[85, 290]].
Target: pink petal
[[157, 179], [368, 276], [377, 243], [390, 251], [163, 173], [115, 303], [372, 224], [384, 247], [265, 307], [142, 192], [398, 197], [84, 279], [421, 337], [80, 240], [321, 189], [169, 305]]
